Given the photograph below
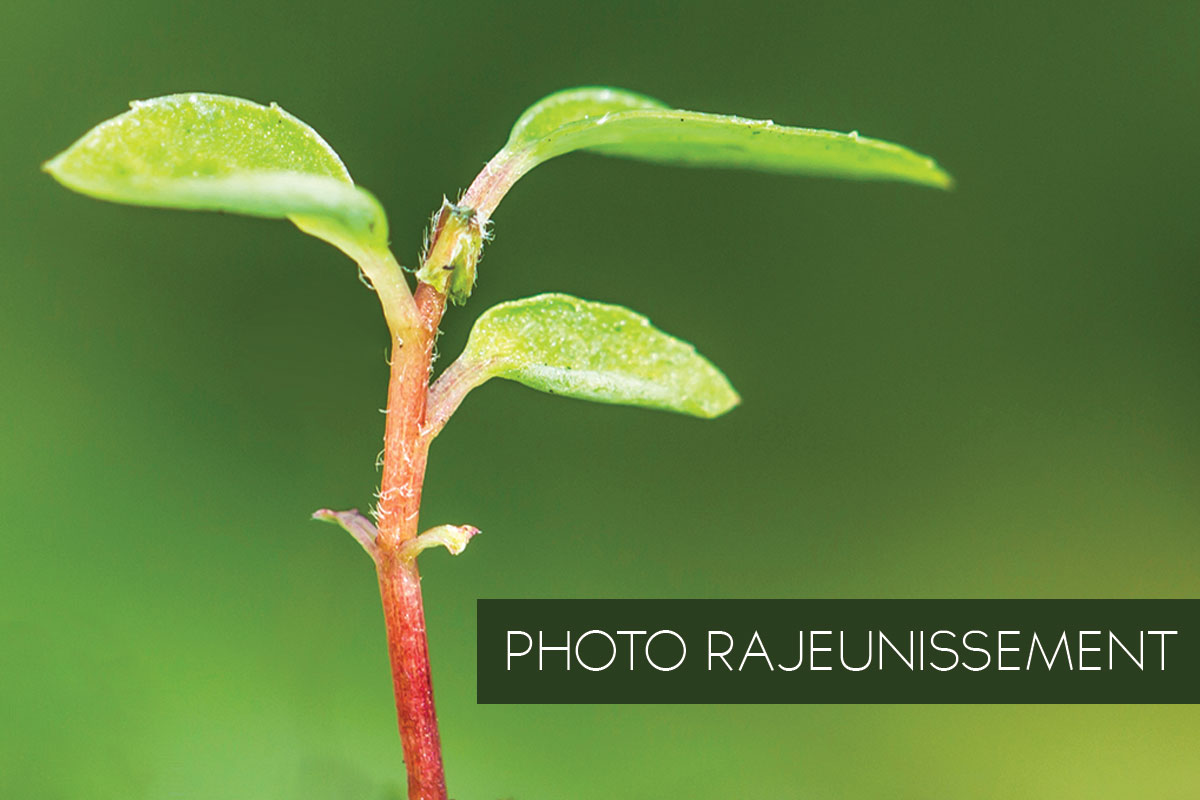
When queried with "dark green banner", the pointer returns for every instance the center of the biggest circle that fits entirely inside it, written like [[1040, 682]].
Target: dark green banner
[[838, 651]]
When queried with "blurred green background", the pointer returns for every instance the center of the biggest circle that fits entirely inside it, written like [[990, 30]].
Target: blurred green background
[[989, 393]]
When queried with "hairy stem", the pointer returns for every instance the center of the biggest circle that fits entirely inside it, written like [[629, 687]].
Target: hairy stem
[[405, 451], [490, 185], [404, 616]]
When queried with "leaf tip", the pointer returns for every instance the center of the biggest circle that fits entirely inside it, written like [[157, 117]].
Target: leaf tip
[[63, 174], [735, 400], [721, 405], [932, 174], [53, 166], [942, 179]]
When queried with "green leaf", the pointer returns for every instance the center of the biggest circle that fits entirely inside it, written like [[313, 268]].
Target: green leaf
[[616, 122], [692, 138], [593, 351], [217, 153]]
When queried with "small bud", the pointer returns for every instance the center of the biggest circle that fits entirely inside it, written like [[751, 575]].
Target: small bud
[[452, 537], [456, 243]]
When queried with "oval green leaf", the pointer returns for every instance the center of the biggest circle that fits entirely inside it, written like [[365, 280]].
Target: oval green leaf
[[616, 122], [218, 153], [593, 351], [692, 138]]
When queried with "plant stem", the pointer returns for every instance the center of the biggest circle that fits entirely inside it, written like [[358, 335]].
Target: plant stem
[[404, 616], [405, 452], [497, 177]]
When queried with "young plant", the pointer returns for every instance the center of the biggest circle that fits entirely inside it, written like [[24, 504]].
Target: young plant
[[211, 152]]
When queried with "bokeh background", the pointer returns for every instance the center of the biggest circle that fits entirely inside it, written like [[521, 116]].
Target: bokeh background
[[988, 393]]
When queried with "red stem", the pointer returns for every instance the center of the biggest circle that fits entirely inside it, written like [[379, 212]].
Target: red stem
[[404, 616], [405, 452]]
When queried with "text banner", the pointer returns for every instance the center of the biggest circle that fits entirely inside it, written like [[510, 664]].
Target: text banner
[[838, 651]]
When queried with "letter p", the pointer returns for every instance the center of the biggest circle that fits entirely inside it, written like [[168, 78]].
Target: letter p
[[528, 647]]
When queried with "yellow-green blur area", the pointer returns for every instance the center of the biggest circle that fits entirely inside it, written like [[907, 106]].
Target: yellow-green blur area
[[992, 392]]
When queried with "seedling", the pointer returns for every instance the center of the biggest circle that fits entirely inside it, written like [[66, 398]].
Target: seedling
[[217, 153]]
